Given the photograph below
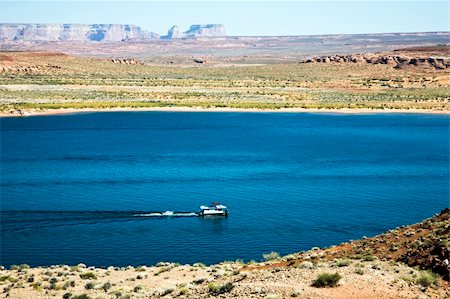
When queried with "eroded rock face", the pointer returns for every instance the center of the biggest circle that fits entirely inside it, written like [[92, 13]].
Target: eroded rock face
[[396, 61], [73, 32], [173, 32]]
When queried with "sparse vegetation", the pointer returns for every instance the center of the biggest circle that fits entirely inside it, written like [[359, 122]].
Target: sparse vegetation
[[94, 83], [326, 280], [359, 271], [106, 286], [216, 289], [89, 286], [20, 267], [271, 256], [88, 275], [426, 279], [343, 263]]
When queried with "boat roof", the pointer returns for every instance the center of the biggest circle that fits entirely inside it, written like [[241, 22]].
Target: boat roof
[[219, 206]]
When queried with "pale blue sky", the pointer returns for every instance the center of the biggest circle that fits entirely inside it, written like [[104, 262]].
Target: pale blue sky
[[241, 17]]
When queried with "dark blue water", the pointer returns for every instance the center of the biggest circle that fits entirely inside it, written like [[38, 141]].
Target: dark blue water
[[70, 185]]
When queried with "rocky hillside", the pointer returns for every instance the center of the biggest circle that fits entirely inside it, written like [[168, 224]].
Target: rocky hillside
[[406, 262], [424, 245], [208, 30], [73, 32]]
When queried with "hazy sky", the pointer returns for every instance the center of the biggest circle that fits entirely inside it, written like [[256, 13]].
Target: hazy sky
[[241, 17]]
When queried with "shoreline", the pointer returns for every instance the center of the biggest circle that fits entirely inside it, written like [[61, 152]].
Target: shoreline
[[64, 111], [383, 266]]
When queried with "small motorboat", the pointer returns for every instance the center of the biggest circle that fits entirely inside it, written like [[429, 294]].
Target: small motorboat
[[215, 209]]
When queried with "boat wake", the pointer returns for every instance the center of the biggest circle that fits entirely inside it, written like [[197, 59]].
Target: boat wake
[[167, 214]]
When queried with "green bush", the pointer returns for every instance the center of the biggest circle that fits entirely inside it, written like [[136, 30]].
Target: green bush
[[216, 289], [326, 280]]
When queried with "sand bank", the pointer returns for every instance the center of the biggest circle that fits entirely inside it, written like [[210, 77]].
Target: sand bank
[[35, 112]]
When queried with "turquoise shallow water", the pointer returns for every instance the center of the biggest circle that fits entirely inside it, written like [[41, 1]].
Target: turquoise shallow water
[[71, 185]]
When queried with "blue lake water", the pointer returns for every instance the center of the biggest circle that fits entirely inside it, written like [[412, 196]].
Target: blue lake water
[[71, 185]]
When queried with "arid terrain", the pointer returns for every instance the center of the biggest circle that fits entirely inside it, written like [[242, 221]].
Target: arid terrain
[[405, 262], [410, 79]]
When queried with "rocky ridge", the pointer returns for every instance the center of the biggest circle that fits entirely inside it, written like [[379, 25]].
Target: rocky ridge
[[397, 61], [124, 61]]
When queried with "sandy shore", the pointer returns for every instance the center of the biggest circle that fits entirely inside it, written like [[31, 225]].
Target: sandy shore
[[34, 112]]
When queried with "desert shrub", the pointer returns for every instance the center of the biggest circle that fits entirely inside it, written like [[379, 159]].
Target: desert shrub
[[271, 256], [359, 271], [216, 289], [343, 263], [67, 295], [89, 286], [426, 279], [106, 286], [4, 277], [8, 278], [88, 275], [326, 280], [137, 289], [199, 281], [54, 286], [200, 265], [167, 292], [37, 286], [19, 267], [369, 257], [289, 257], [68, 284], [82, 296]]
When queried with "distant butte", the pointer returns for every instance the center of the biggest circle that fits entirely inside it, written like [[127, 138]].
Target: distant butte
[[208, 30]]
